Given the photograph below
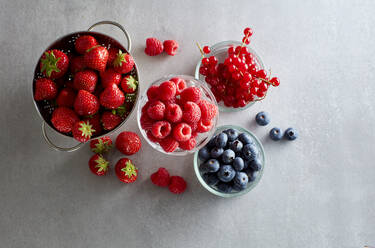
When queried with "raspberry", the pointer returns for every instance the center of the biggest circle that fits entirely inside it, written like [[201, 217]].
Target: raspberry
[[153, 93], [161, 129], [173, 113], [191, 113], [182, 132], [194, 126], [170, 47], [128, 143], [167, 91], [156, 110], [204, 126], [169, 144], [192, 94], [145, 107], [153, 47], [146, 122], [152, 137], [189, 144], [180, 84], [194, 134], [177, 185], [208, 110], [160, 177]]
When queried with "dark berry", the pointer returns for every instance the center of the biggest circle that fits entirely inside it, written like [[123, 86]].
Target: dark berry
[[238, 164], [291, 134], [225, 188], [236, 146], [276, 134], [221, 140], [216, 152], [204, 154], [262, 118], [255, 164], [226, 173], [245, 138], [211, 178], [228, 156], [250, 152], [241, 180], [232, 134]]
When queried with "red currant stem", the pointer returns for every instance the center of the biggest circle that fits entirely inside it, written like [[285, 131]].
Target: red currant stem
[[200, 49], [242, 45], [265, 80]]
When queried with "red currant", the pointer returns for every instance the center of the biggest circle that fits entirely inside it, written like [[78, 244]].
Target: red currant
[[245, 85], [253, 69], [246, 40], [206, 49], [246, 77], [263, 86], [262, 74], [253, 90], [203, 70], [236, 76], [244, 50], [231, 50], [241, 103], [238, 49], [260, 93], [227, 61], [205, 61], [232, 68], [275, 81], [248, 32]]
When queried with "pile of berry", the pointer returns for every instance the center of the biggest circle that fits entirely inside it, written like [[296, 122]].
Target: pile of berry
[[237, 80], [175, 184], [89, 87], [230, 161], [155, 47], [175, 113]]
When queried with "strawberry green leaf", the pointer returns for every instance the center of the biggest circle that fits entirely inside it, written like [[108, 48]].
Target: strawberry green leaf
[[119, 59], [102, 164], [129, 169], [86, 129], [49, 63]]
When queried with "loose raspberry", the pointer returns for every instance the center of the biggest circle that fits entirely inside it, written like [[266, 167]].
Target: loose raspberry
[[146, 122], [153, 93], [167, 90], [156, 110], [169, 144], [188, 145], [153, 47], [128, 143], [173, 113], [66, 98], [177, 185], [191, 112], [180, 85], [192, 94], [160, 177], [170, 47], [204, 126], [161, 129], [152, 137], [182, 132], [208, 109]]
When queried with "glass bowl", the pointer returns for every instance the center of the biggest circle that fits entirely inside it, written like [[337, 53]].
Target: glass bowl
[[251, 185], [202, 138], [220, 51]]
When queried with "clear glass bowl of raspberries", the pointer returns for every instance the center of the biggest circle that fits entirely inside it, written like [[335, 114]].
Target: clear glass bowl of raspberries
[[177, 114], [218, 83], [231, 163]]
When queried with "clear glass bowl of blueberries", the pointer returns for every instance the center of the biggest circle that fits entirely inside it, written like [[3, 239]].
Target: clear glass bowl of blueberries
[[232, 162]]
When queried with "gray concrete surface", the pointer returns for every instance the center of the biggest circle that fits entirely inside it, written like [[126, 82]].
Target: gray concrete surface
[[316, 192]]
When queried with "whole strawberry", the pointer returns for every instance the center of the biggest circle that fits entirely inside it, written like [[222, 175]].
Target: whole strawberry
[[82, 131], [63, 119], [54, 63], [161, 177], [112, 54], [126, 171], [123, 62], [84, 43], [45, 89], [153, 47], [110, 76], [66, 98], [129, 84], [112, 97], [95, 122], [85, 80], [110, 120], [86, 103], [77, 64], [128, 143], [101, 145], [98, 165], [96, 58]]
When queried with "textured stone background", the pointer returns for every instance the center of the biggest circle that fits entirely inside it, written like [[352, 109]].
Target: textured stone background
[[316, 192]]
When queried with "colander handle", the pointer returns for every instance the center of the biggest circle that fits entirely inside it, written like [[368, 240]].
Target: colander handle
[[117, 25], [58, 148]]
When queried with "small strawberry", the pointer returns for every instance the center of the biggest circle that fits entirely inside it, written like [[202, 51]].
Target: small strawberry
[[96, 58], [85, 80], [110, 120], [129, 84], [153, 47], [101, 145], [45, 89], [112, 97], [86, 103], [112, 54], [96, 124], [54, 63], [98, 165], [85, 42], [110, 76], [126, 171], [123, 62], [63, 119], [77, 64], [82, 131], [66, 98], [128, 143]]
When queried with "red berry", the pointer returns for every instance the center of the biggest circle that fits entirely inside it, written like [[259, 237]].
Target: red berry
[[203, 70], [191, 112], [152, 137], [110, 76], [231, 50], [180, 84], [241, 103], [170, 47], [110, 120], [112, 97], [236, 76], [98, 165], [101, 145], [246, 40], [189, 144], [237, 50], [213, 60], [85, 42], [262, 74], [146, 122], [206, 49], [128, 143], [161, 129], [169, 144], [82, 131], [77, 64], [205, 125], [253, 70], [123, 62], [45, 89], [63, 119], [173, 113], [208, 109], [85, 80], [156, 110], [177, 185], [275, 81], [112, 54], [182, 132], [232, 68], [153, 47], [96, 124], [66, 98], [96, 58], [260, 93], [167, 90], [54, 63], [263, 86], [192, 94], [86, 103], [205, 61], [126, 171], [248, 32], [161, 177], [153, 93], [129, 84]]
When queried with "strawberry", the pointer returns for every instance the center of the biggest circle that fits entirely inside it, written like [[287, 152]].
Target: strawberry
[[98, 165], [96, 124], [86, 103], [112, 97], [126, 171], [45, 89], [82, 131], [101, 145], [54, 63], [128, 143], [96, 58], [123, 62], [63, 119], [110, 120], [85, 80], [112, 54], [129, 84], [76, 64], [66, 98], [109, 77], [85, 42]]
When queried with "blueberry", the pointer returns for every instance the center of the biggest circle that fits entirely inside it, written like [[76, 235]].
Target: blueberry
[[241, 180], [216, 152], [250, 152], [236, 145], [245, 138], [226, 173], [212, 165], [255, 164], [262, 118], [291, 134], [211, 178], [251, 174], [211, 143], [228, 156], [276, 134], [237, 187], [232, 134], [238, 164], [204, 154], [221, 140], [225, 188]]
